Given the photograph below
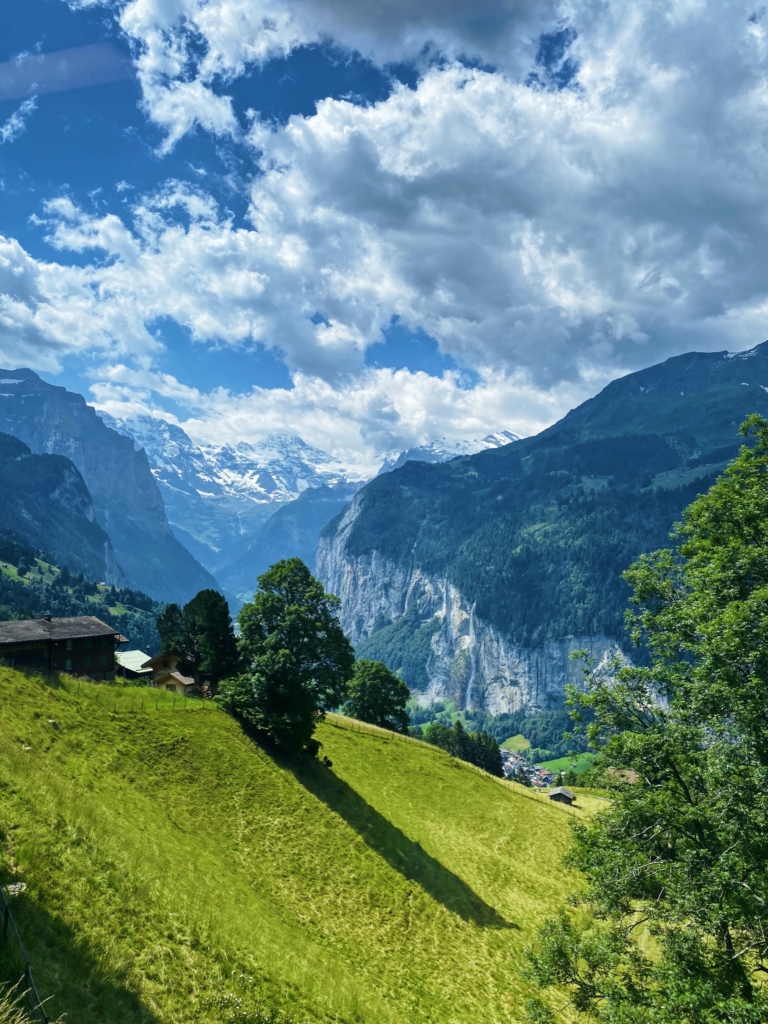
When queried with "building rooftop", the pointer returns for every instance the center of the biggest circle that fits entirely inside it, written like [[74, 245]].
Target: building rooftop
[[27, 630], [133, 661]]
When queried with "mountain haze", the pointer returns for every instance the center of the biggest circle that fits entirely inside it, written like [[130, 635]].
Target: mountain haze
[[127, 503], [218, 497], [44, 502]]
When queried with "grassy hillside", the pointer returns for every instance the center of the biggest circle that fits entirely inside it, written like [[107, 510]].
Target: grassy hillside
[[176, 872]]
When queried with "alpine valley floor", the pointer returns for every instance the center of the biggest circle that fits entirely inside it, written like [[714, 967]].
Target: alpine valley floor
[[177, 872]]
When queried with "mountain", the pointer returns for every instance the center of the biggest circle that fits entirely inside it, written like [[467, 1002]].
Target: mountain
[[45, 587], [476, 578], [44, 502], [442, 449], [292, 531], [127, 502], [218, 496], [176, 871]]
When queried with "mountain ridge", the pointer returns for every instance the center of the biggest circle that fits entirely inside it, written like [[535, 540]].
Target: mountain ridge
[[478, 565], [126, 499]]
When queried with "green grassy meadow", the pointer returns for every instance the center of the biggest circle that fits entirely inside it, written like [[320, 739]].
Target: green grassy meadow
[[177, 872], [515, 743], [564, 764]]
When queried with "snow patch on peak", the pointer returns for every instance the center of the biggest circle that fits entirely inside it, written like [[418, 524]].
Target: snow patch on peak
[[443, 449]]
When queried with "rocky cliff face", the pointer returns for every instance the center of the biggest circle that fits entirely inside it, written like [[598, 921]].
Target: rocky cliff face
[[126, 500], [468, 661], [44, 501]]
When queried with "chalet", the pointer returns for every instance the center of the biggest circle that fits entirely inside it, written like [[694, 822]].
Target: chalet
[[130, 665], [165, 675], [561, 795], [82, 645]]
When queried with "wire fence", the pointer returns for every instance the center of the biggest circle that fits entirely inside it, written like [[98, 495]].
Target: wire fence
[[14, 964]]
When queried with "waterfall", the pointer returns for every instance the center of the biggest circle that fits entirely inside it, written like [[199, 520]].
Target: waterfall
[[472, 659]]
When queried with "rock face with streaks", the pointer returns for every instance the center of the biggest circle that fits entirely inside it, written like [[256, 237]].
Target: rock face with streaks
[[468, 660], [126, 500]]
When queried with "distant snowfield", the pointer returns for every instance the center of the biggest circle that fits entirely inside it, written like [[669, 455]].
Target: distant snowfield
[[217, 496]]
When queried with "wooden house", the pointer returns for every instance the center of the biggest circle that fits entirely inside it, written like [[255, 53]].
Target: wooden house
[[82, 645], [562, 795], [165, 675]]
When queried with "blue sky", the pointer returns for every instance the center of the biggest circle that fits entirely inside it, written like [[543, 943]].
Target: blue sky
[[375, 224]]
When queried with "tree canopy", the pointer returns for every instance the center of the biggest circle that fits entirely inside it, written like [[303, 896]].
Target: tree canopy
[[202, 635], [298, 659], [681, 851], [479, 748], [376, 695]]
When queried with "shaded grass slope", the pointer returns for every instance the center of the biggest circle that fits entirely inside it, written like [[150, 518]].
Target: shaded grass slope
[[177, 872]]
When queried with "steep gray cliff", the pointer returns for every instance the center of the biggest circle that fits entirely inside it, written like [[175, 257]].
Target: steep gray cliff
[[44, 501], [126, 499], [466, 660]]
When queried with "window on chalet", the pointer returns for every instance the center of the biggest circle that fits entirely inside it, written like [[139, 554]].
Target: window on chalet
[[69, 645], [68, 665], [86, 662]]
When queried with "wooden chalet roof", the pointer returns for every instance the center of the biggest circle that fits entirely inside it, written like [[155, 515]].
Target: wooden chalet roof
[[26, 630]]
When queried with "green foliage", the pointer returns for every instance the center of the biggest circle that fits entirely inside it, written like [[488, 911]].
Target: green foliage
[[536, 535], [176, 871], [55, 589], [682, 850], [299, 660], [404, 645], [377, 696], [550, 731], [202, 635], [477, 748]]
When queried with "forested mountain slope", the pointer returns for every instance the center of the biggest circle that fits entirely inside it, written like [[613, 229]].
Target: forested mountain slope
[[44, 501], [33, 584], [476, 578], [126, 499], [176, 871]]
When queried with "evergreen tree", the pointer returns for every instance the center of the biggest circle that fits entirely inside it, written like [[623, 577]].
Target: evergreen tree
[[209, 638], [202, 636], [376, 695], [478, 748], [170, 628], [298, 659], [681, 849]]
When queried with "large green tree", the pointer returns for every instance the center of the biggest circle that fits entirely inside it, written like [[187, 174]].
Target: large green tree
[[298, 659], [680, 853], [202, 635], [376, 695]]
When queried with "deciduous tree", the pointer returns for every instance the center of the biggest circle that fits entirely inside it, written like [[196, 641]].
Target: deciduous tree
[[298, 659], [681, 851], [376, 695]]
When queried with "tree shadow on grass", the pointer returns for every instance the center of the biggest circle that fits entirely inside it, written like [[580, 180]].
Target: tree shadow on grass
[[400, 852], [67, 975]]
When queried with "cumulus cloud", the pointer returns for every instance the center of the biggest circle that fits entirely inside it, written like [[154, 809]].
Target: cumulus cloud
[[358, 420], [182, 46], [547, 238]]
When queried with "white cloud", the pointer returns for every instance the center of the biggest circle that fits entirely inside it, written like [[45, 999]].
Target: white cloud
[[356, 420], [547, 239], [183, 45], [17, 122]]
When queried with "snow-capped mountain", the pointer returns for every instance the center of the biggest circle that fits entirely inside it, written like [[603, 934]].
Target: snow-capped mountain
[[214, 494], [444, 448]]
